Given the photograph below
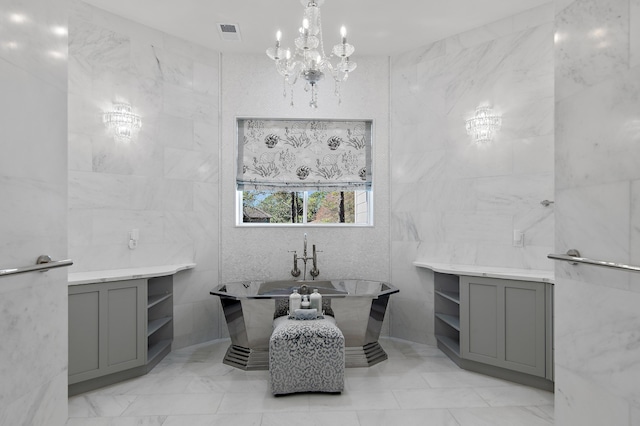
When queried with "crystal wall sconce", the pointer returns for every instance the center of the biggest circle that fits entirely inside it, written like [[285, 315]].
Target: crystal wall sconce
[[484, 125], [122, 122]]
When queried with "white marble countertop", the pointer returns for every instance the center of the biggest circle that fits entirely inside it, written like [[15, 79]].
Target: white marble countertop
[[488, 271], [76, 278]]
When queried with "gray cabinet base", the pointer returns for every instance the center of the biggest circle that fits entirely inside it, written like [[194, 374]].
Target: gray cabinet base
[[500, 373], [110, 379]]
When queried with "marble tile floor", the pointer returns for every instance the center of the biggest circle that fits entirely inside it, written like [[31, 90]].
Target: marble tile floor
[[417, 385]]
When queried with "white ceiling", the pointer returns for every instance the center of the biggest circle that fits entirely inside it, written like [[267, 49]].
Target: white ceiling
[[374, 27]]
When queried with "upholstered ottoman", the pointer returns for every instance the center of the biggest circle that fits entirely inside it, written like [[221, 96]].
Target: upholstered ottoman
[[306, 356]]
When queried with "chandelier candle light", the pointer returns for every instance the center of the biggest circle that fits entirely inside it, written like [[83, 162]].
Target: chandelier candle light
[[484, 125], [122, 121], [309, 60]]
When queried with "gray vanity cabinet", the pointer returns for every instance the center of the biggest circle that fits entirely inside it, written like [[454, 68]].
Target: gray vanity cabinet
[[496, 326], [107, 325], [503, 323], [118, 329]]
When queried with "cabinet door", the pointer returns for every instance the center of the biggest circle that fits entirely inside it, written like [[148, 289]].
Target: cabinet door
[[503, 323], [107, 328], [125, 323], [84, 333], [480, 321]]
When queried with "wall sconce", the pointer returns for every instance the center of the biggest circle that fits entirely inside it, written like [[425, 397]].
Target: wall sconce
[[122, 121], [484, 125]]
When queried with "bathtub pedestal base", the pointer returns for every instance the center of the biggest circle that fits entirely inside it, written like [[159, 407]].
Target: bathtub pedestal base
[[258, 359], [247, 359], [364, 356]]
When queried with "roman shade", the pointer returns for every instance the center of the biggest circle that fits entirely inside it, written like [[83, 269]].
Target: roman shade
[[304, 155]]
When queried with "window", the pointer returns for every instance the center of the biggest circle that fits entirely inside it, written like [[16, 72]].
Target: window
[[304, 207], [304, 172]]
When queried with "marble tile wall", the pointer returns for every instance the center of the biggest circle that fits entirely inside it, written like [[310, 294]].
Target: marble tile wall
[[33, 190], [597, 79], [251, 87], [451, 199], [165, 182]]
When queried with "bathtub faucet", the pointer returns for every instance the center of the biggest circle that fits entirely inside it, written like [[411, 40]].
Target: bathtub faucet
[[314, 270], [314, 257], [295, 271]]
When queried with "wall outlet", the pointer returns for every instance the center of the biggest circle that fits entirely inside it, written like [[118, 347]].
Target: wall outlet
[[518, 238]]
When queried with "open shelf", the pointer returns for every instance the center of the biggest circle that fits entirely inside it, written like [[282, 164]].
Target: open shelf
[[156, 349], [452, 344], [450, 320], [153, 300], [160, 319], [450, 295], [157, 324], [447, 311]]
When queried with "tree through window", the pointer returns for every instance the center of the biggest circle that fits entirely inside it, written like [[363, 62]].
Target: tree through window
[[305, 207]]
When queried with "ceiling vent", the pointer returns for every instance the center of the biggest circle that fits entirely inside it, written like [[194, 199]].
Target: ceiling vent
[[229, 32]]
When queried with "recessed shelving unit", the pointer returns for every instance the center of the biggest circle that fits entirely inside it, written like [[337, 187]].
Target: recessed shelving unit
[[447, 311], [159, 318]]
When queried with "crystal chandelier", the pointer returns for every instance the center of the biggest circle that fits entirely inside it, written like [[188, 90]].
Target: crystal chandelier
[[484, 125], [309, 60], [122, 121]]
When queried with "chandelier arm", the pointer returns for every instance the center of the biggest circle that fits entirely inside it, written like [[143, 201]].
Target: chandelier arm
[[324, 57]]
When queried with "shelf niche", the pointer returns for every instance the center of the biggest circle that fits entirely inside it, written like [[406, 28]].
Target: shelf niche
[[447, 311]]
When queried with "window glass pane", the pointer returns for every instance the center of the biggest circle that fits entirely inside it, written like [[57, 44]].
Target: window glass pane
[[272, 207], [331, 207], [362, 207], [320, 207]]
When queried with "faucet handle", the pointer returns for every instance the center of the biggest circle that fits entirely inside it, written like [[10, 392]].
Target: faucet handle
[[295, 271]]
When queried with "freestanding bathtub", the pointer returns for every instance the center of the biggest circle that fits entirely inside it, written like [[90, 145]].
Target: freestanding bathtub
[[358, 307]]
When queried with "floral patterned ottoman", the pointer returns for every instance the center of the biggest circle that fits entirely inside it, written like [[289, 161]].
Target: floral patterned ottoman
[[306, 356]]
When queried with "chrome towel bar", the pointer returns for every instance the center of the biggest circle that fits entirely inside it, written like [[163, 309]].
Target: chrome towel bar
[[43, 264], [573, 256]]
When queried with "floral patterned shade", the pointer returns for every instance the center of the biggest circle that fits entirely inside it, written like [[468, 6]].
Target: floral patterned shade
[[304, 155]]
